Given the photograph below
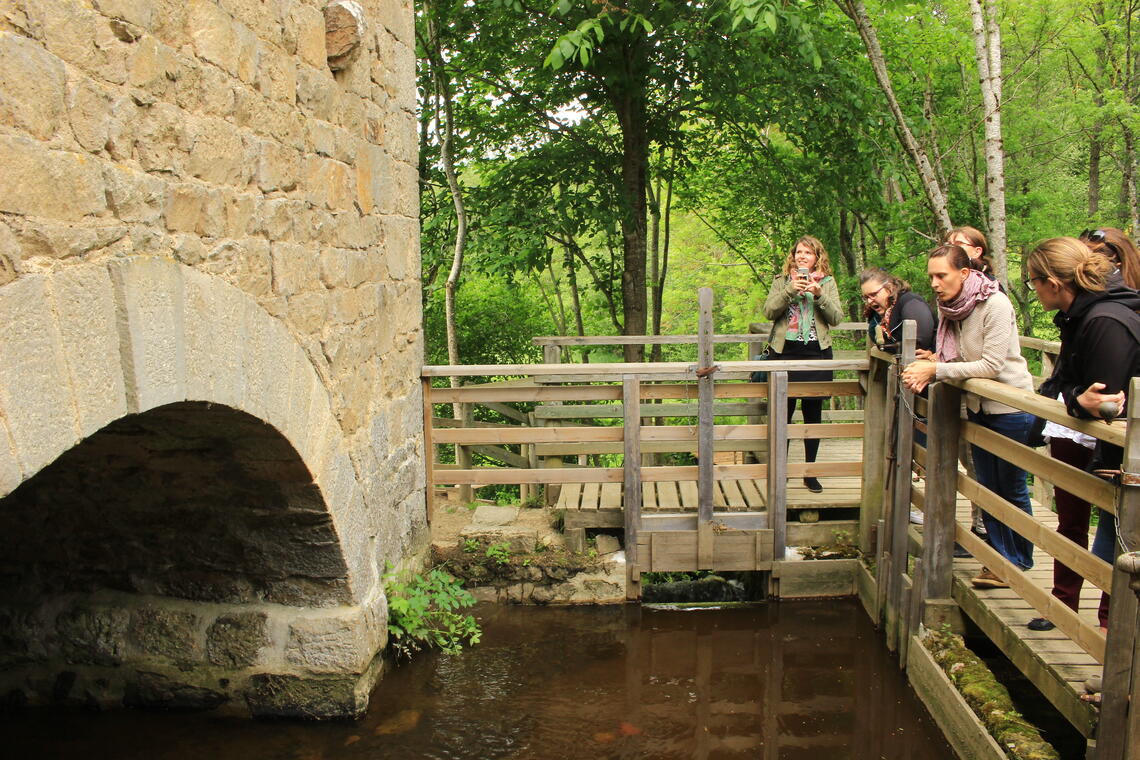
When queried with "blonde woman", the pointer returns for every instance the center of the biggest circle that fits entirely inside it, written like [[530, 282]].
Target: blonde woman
[[803, 304], [1100, 353]]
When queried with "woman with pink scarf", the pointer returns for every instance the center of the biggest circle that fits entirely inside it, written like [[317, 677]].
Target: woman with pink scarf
[[977, 337]]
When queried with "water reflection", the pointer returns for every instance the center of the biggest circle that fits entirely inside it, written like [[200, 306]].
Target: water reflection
[[797, 680]]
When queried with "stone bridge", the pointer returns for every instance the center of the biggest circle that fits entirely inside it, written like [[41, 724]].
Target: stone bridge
[[210, 342]]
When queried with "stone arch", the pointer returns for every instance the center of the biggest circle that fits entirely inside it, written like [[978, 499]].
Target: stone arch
[[87, 350], [87, 345]]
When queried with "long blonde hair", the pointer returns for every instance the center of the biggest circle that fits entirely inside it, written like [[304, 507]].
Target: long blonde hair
[[1070, 262], [822, 263]]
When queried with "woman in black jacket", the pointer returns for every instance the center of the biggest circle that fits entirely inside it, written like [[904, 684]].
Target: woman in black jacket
[[1100, 354], [889, 302]]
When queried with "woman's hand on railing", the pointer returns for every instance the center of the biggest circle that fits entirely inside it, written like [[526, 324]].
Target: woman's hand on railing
[[919, 374], [1092, 398]]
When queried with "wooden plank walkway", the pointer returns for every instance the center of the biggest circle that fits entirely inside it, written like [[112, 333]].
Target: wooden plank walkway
[[728, 495]]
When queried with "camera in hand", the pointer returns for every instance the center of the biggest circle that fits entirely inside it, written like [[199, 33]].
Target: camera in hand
[[803, 273]]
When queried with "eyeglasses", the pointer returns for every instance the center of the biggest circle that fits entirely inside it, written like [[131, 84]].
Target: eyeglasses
[[870, 297], [1029, 282]]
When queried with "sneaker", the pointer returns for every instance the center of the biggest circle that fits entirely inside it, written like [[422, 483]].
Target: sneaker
[[915, 516], [986, 579], [812, 484], [1040, 624]]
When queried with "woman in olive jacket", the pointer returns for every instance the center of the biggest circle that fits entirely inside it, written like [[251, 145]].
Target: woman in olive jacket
[[803, 304]]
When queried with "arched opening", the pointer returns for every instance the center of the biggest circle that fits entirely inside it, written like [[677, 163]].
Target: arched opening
[[188, 500]]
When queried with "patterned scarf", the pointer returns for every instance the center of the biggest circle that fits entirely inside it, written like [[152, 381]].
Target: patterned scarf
[[801, 313], [975, 289]]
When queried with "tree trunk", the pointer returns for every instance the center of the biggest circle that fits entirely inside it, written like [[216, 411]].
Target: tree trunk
[[629, 102], [987, 52], [1130, 179], [1094, 174], [572, 275], [655, 256], [935, 195], [660, 276]]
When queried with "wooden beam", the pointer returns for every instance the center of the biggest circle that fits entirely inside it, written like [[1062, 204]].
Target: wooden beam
[[778, 460], [874, 454], [1050, 409], [617, 411], [664, 340], [941, 490], [900, 492], [617, 370], [631, 474], [1077, 482], [1118, 735], [705, 424], [429, 450]]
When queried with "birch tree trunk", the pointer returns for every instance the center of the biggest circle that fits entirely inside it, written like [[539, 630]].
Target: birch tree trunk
[[935, 194], [987, 52]]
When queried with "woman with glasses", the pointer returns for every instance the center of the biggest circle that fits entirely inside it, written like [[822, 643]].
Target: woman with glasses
[[803, 304], [1118, 247], [1100, 353], [973, 242], [888, 302], [977, 337]]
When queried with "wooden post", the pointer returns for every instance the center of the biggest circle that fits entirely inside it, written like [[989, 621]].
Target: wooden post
[[874, 455], [551, 355], [705, 409], [631, 400], [900, 488], [1116, 735], [463, 453], [944, 422], [429, 450], [778, 461]]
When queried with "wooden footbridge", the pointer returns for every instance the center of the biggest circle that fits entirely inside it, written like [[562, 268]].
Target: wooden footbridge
[[609, 443]]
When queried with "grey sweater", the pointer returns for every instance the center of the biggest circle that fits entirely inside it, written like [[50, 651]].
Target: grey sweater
[[988, 347]]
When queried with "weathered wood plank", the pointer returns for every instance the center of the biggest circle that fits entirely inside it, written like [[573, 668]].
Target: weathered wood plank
[[570, 497], [689, 496], [778, 460], [1081, 484], [941, 492], [618, 370], [610, 496], [667, 497], [590, 495], [666, 340], [705, 410], [631, 392], [429, 449]]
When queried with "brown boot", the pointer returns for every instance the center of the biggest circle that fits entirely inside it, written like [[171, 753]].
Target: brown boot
[[986, 579]]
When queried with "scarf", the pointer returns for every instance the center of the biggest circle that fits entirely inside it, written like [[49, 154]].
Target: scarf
[[975, 289], [801, 313]]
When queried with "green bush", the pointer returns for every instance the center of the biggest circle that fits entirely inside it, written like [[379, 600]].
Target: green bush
[[423, 612]]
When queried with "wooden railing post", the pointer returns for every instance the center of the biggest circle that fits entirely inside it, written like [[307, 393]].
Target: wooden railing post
[[874, 456], [429, 450], [705, 455], [631, 499], [900, 490], [778, 461], [1118, 734], [944, 423]]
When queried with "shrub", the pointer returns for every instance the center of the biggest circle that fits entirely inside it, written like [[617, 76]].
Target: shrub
[[424, 611]]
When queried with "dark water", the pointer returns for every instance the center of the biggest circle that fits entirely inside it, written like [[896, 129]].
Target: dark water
[[787, 681]]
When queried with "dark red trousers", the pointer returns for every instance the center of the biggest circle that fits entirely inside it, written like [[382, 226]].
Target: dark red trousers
[[1073, 524]]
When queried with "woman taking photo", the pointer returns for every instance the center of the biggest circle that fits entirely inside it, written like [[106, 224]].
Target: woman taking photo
[[1100, 353], [803, 304], [888, 302], [977, 337]]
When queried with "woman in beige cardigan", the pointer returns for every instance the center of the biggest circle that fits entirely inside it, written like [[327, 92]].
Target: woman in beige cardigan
[[803, 303]]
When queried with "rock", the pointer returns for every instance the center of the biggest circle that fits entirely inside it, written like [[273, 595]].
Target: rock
[[607, 544], [272, 695], [518, 540], [156, 690], [235, 640], [166, 633], [344, 28], [487, 515]]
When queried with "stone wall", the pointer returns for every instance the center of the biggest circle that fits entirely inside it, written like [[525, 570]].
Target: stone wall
[[267, 146]]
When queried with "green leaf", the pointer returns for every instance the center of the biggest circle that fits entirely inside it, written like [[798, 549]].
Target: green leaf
[[770, 19]]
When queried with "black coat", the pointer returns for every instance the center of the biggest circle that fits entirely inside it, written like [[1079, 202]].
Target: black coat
[[1100, 343], [909, 305]]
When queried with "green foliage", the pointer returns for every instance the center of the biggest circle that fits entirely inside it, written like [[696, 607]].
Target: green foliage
[[470, 545], [500, 553], [424, 612]]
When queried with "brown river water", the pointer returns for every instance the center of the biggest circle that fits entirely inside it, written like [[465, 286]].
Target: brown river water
[[773, 682]]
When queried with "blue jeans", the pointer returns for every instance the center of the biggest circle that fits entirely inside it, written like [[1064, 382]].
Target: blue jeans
[[1104, 544], [1007, 481]]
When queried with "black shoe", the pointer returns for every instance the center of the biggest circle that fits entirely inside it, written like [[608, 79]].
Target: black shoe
[[1040, 624], [812, 484], [960, 551]]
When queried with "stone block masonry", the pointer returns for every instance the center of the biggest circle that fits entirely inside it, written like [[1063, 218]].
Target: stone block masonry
[[204, 205]]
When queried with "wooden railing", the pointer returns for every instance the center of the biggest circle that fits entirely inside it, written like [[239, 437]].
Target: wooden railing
[[911, 584]]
